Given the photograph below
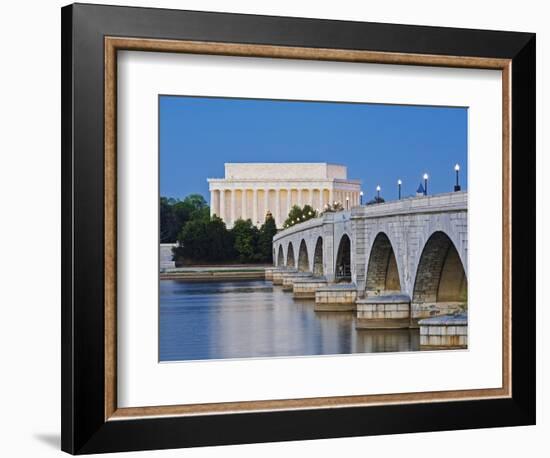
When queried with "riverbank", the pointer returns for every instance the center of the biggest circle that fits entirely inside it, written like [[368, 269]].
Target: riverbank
[[215, 273]]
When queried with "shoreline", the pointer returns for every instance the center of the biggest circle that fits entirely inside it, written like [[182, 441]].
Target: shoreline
[[215, 273]]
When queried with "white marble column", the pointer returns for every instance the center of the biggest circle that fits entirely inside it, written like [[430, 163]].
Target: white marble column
[[217, 202], [266, 202], [244, 215], [288, 202], [222, 204], [331, 198], [321, 199], [233, 205], [255, 207], [278, 206], [300, 196]]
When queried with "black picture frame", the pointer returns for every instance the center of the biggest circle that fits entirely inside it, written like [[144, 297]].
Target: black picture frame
[[84, 428]]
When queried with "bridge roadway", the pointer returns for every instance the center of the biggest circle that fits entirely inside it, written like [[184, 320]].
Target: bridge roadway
[[413, 251]]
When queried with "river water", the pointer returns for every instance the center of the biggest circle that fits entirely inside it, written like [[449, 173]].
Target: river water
[[254, 319]]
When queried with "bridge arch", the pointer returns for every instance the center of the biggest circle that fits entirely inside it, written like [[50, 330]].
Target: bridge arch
[[290, 256], [303, 260], [440, 284], [280, 257], [382, 273], [318, 270], [343, 260]]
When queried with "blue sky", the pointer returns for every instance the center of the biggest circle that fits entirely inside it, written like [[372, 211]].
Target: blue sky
[[378, 143]]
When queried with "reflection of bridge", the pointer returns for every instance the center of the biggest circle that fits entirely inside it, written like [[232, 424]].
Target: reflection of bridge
[[410, 251]]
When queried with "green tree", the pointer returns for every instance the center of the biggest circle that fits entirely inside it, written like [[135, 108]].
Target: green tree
[[299, 215], [175, 213], [308, 212], [246, 240], [335, 207], [204, 240], [168, 231], [265, 239], [192, 242], [196, 207], [220, 240]]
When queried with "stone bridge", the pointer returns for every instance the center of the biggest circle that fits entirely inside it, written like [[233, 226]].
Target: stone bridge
[[412, 251]]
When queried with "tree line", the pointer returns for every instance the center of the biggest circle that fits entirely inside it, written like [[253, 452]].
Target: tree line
[[204, 239]]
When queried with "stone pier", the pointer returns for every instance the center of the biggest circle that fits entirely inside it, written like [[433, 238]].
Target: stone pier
[[383, 312], [336, 298], [428, 310], [444, 331], [304, 288], [269, 273], [277, 275], [289, 278]]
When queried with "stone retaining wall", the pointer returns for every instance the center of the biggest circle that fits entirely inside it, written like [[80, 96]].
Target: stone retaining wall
[[166, 256]]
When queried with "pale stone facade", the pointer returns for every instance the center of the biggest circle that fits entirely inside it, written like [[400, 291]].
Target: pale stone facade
[[250, 190], [418, 231]]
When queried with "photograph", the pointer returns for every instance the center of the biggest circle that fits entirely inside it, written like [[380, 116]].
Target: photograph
[[304, 228], [285, 226]]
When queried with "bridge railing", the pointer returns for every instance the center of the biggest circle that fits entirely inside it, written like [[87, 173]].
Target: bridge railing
[[451, 201], [312, 223]]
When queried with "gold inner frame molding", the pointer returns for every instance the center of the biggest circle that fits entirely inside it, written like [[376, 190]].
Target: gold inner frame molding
[[114, 44]]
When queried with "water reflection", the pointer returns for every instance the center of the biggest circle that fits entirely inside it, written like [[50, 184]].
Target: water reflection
[[255, 319]]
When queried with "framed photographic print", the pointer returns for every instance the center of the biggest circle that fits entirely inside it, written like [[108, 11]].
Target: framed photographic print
[[282, 228]]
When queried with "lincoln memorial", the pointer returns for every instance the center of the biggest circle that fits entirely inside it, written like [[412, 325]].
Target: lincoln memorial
[[249, 191]]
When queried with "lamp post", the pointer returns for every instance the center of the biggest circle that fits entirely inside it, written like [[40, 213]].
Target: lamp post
[[361, 198], [347, 203], [378, 193], [457, 169], [399, 182], [425, 184]]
